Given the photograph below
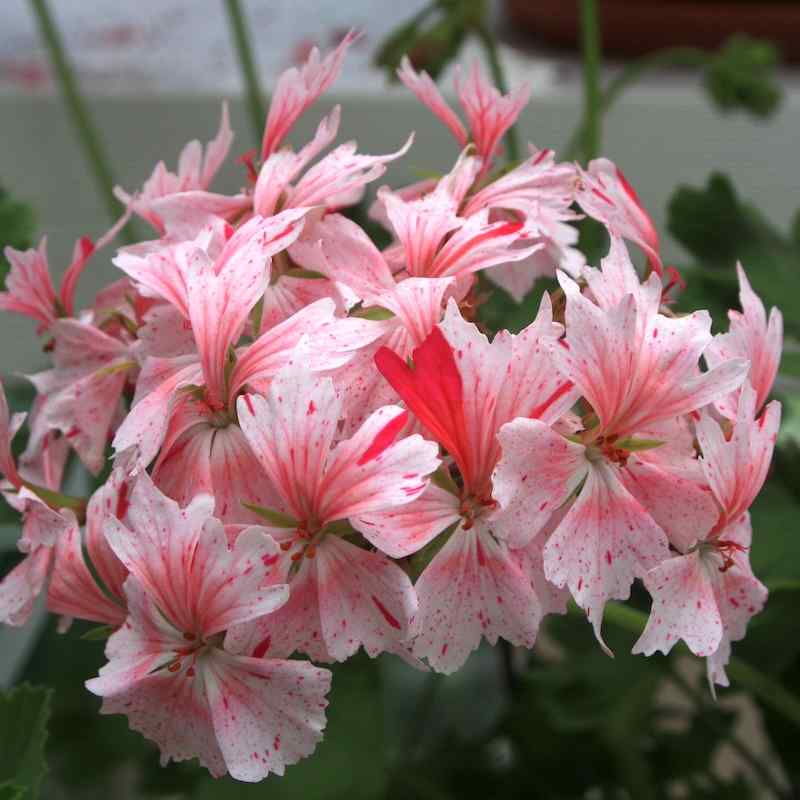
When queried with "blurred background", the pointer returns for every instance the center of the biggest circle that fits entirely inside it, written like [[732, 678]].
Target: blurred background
[[704, 118]]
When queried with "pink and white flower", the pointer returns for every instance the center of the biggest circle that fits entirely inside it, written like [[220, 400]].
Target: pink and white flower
[[169, 670]]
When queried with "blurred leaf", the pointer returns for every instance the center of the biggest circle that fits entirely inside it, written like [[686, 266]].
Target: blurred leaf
[[775, 552], [24, 714], [17, 225], [432, 38], [741, 75], [719, 229]]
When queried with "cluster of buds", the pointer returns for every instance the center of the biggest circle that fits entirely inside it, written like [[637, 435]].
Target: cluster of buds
[[316, 451]]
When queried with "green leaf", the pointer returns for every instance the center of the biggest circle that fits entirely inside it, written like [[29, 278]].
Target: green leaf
[[17, 223], [719, 229], [275, 518], [24, 714], [742, 75]]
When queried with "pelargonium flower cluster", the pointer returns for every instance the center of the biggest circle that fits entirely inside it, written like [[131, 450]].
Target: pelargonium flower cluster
[[317, 450]]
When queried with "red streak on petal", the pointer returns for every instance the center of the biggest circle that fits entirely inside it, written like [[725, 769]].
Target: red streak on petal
[[123, 503], [479, 551], [262, 647], [384, 438], [507, 229], [444, 648], [386, 614], [311, 408], [604, 197], [541, 157], [249, 403], [629, 190], [269, 560], [556, 395], [609, 559], [73, 432]]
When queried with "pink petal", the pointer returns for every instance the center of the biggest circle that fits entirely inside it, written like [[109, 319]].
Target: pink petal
[[20, 588], [73, 592], [403, 530], [157, 388], [291, 432], [605, 541], [340, 177], [685, 511], [472, 589], [343, 252], [605, 194], [376, 469], [753, 337], [29, 287], [364, 600], [537, 472], [737, 468], [426, 91], [297, 89], [267, 714], [169, 707], [489, 113], [684, 607], [221, 294], [181, 558]]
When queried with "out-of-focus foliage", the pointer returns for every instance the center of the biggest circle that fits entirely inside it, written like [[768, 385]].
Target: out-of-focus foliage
[[17, 223], [741, 76], [24, 712], [718, 229], [433, 37]]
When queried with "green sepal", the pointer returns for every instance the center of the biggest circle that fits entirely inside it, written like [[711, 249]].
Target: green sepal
[[98, 634], [632, 445], [374, 313], [275, 518], [309, 274], [444, 480]]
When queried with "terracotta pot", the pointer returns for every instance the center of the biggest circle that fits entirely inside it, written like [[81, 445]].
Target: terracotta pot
[[633, 27]]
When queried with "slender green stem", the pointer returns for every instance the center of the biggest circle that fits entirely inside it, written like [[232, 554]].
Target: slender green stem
[[698, 698], [630, 74], [247, 63], [499, 78], [88, 134], [590, 44], [744, 675]]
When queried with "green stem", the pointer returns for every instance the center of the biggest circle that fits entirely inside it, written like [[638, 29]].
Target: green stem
[[247, 63], [766, 688], [88, 135], [590, 44], [700, 701], [499, 78], [630, 74]]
